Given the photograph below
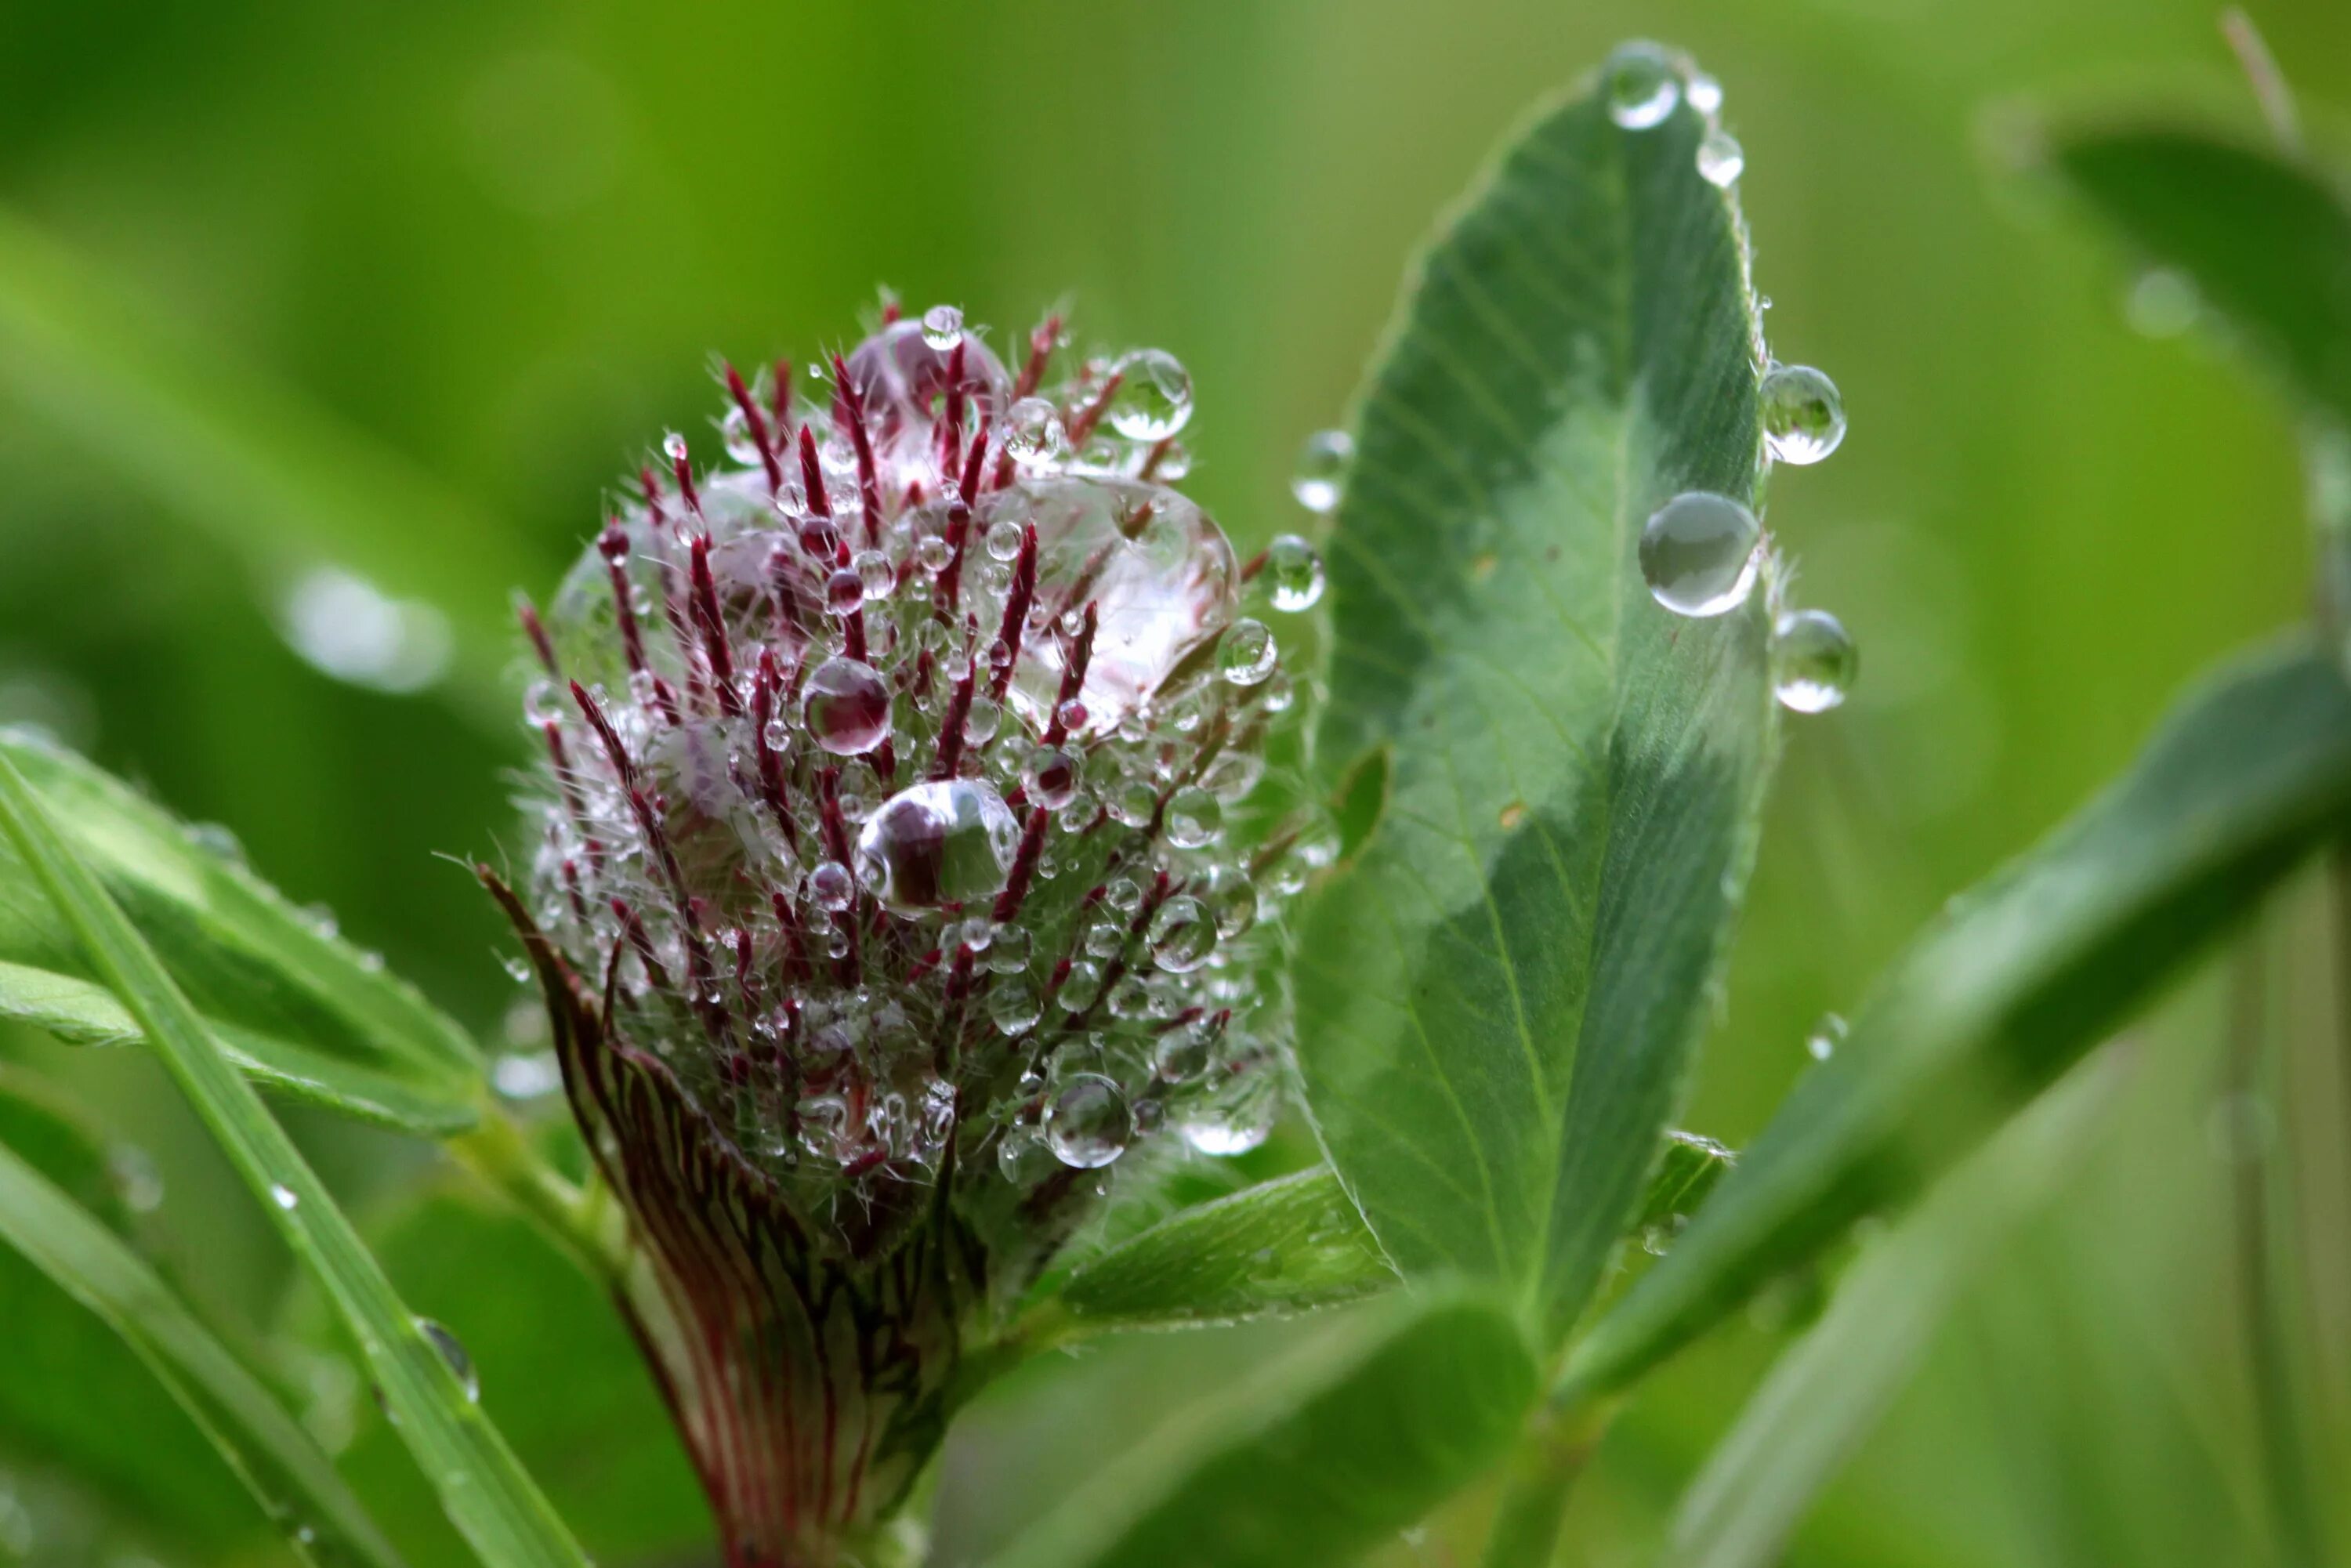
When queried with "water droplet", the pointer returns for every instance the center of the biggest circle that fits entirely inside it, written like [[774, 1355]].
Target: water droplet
[[673, 447], [1804, 418], [1153, 400], [1247, 654], [1193, 818], [1133, 804], [136, 1178], [1236, 1122], [844, 591], [1814, 661], [831, 886], [526, 1075], [819, 536], [1293, 571], [1827, 1036], [1050, 776], [347, 627], [1159, 573], [1014, 1008], [1182, 936], [1321, 477], [943, 327], [2163, 303], [1704, 93], [1034, 434], [1089, 1123], [283, 1196], [1009, 954], [847, 708], [948, 841], [931, 553], [217, 841], [980, 724], [1003, 541], [1183, 1054], [455, 1356], [735, 435], [1080, 986], [1699, 554], [1721, 159], [1125, 896], [1175, 466], [1641, 87], [875, 576]]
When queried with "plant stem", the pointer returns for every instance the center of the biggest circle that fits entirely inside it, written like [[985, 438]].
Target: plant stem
[[575, 1218], [2295, 1516], [1543, 1473]]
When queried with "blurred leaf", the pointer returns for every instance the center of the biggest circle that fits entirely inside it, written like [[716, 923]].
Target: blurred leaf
[[275, 477], [294, 1483], [318, 1019], [83, 1012], [2264, 235], [1498, 1000], [493, 1503], [559, 1375], [2019, 977], [1315, 1458], [1827, 1392], [1285, 1245], [73, 1396]]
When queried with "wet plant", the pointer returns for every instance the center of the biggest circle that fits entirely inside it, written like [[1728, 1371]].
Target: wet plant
[[940, 845]]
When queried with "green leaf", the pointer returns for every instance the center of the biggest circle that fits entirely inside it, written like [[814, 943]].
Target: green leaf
[[485, 1493], [308, 1013], [2264, 235], [1499, 1000], [1828, 1391], [2017, 979], [271, 474], [1315, 1458], [83, 1012], [1290, 1245], [1285, 1245], [294, 1483]]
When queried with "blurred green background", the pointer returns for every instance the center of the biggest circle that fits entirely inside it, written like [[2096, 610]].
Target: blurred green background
[[478, 256]]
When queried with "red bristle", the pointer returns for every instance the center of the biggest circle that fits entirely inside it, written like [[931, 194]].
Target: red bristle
[[1073, 676], [849, 407], [951, 724], [569, 785], [779, 402], [756, 424], [765, 683], [615, 751], [682, 467], [1041, 342], [1081, 427], [1023, 593], [812, 475], [712, 626], [652, 488], [1024, 866], [951, 421], [535, 631]]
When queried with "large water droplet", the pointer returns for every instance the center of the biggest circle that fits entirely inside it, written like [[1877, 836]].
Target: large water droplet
[[1236, 1120], [1182, 936], [831, 886], [1193, 818], [943, 327], [454, 1355], [1159, 573], [1804, 418], [875, 576], [902, 372], [1293, 573], [1641, 87], [1721, 159], [1153, 400], [947, 841], [1089, 1123], [1699, 554], [1814, 661], [847, 707], [1321, 477], [1247, 654], [1014, 1008]]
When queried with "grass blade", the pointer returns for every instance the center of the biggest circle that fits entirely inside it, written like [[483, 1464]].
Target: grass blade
[[1828, 1390], [1498, 995], [294, 1481], [484, 1492], [2250, 775]]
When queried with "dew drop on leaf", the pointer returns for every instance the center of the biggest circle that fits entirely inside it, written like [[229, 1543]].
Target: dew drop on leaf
[[1804, 418], [1814, 661], [1699, 554], [1721, 159], [1640, 86], [454, 1355]]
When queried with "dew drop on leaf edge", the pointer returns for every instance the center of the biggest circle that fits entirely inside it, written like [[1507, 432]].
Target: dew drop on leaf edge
[[1700, 553], [1804, 417], [1814, 661], [1640, 86]]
